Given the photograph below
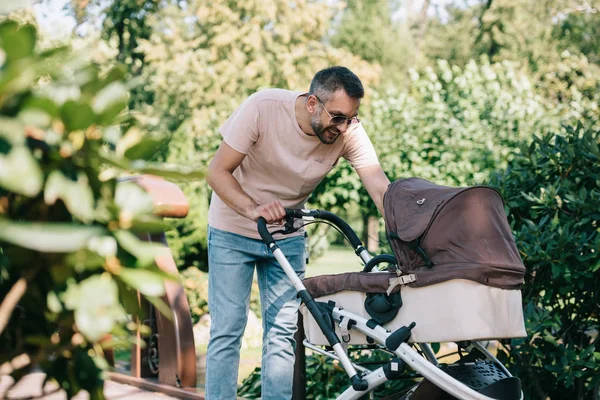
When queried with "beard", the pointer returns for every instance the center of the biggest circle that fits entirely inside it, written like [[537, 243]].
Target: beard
[[327, 135]]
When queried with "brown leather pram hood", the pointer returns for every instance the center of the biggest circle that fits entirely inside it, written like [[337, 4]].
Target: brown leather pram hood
[[440, 233]]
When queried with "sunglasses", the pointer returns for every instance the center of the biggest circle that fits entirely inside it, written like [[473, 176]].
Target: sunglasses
[[339, 119]]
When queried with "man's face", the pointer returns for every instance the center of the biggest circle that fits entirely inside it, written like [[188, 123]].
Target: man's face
[[340, 104]]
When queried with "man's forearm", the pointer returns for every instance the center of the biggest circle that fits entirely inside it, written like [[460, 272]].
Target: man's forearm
[[229, 190]]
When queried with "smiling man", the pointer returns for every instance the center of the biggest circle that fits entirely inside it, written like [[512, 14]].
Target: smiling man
[[277, 146]]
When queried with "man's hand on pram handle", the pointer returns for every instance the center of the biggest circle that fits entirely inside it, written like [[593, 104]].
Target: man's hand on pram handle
[[272, 212], [292, 214]]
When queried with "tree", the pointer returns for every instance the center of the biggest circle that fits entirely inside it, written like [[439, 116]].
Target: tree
[[579, 30], [367, 29], [532, 31]]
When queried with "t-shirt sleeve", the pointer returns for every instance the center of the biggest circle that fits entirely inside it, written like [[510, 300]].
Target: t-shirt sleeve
[[359, 150], [240, 131]]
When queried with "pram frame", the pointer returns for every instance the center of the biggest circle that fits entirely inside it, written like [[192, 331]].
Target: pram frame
[[426, 366]]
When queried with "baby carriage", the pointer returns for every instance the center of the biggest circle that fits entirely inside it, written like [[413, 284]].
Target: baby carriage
[[455, 276]]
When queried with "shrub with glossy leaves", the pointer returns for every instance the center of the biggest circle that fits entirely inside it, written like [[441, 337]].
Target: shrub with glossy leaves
[[552, 194], [70, 261]]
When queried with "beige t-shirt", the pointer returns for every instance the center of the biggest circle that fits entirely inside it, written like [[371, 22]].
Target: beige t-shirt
[[282, 162]]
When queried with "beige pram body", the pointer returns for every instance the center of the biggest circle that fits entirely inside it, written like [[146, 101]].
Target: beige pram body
[[472, 289], [451, 311]]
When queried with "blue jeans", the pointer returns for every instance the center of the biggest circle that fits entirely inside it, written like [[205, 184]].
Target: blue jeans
[[232, 259]]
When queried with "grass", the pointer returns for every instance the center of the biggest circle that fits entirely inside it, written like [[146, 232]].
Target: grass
[[337, 260]]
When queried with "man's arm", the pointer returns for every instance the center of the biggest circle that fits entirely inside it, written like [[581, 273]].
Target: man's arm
[[376, 183], [220, 178]]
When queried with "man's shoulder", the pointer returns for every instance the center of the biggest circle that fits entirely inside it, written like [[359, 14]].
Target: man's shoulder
[[274, 95]]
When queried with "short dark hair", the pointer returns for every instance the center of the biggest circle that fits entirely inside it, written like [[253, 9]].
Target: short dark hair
[[329, 80]]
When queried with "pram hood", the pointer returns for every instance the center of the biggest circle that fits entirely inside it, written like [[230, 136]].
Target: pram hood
[[463, 232]]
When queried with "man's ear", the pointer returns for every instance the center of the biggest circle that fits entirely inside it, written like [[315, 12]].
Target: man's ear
[[311, 103]]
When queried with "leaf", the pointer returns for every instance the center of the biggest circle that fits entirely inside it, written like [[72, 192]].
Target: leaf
[[77, 116], [44, 104], [149, 224], [48, 237], [77, 195], [96, 304], [13, 130], [131, 138], [144, 252], [169, 171], [53, 303], [17, 41], [109, 102], [35, 117], [115, 92], [146, 148], [146, 282], [132, 199], [161, 306], [20, 172]]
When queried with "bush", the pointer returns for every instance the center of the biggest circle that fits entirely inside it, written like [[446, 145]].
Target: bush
[[326, 379], [70, 261], [552, 194], [195, 284]]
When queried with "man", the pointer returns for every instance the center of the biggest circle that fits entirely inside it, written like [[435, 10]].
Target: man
[[277, 147]]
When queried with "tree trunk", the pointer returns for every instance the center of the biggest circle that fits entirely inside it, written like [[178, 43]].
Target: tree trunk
[[422, 24]]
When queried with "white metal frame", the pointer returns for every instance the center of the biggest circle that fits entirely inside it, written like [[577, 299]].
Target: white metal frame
[[427, 366]]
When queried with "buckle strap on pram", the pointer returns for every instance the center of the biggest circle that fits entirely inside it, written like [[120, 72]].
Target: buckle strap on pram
[[401, 280], [344, 330]]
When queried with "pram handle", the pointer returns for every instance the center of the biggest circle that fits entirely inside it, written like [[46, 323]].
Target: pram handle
[[296, 213], [327, 216]]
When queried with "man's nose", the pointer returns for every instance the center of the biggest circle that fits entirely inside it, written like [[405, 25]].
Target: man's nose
[[343, 127]]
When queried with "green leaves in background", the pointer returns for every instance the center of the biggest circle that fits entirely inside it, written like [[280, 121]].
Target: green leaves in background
[[146, 282], [65, 222], [12, 168], [17, 41], [96, 305], [552, 192], [77, 195], [48, 237]]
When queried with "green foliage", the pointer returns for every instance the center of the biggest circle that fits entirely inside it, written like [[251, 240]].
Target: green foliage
[[188, 241], [572, 85], [366, 29], [552, 194], [531, 32], [580, 31], [326, 379], [70, 261], [453, 126], [195, 284]]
